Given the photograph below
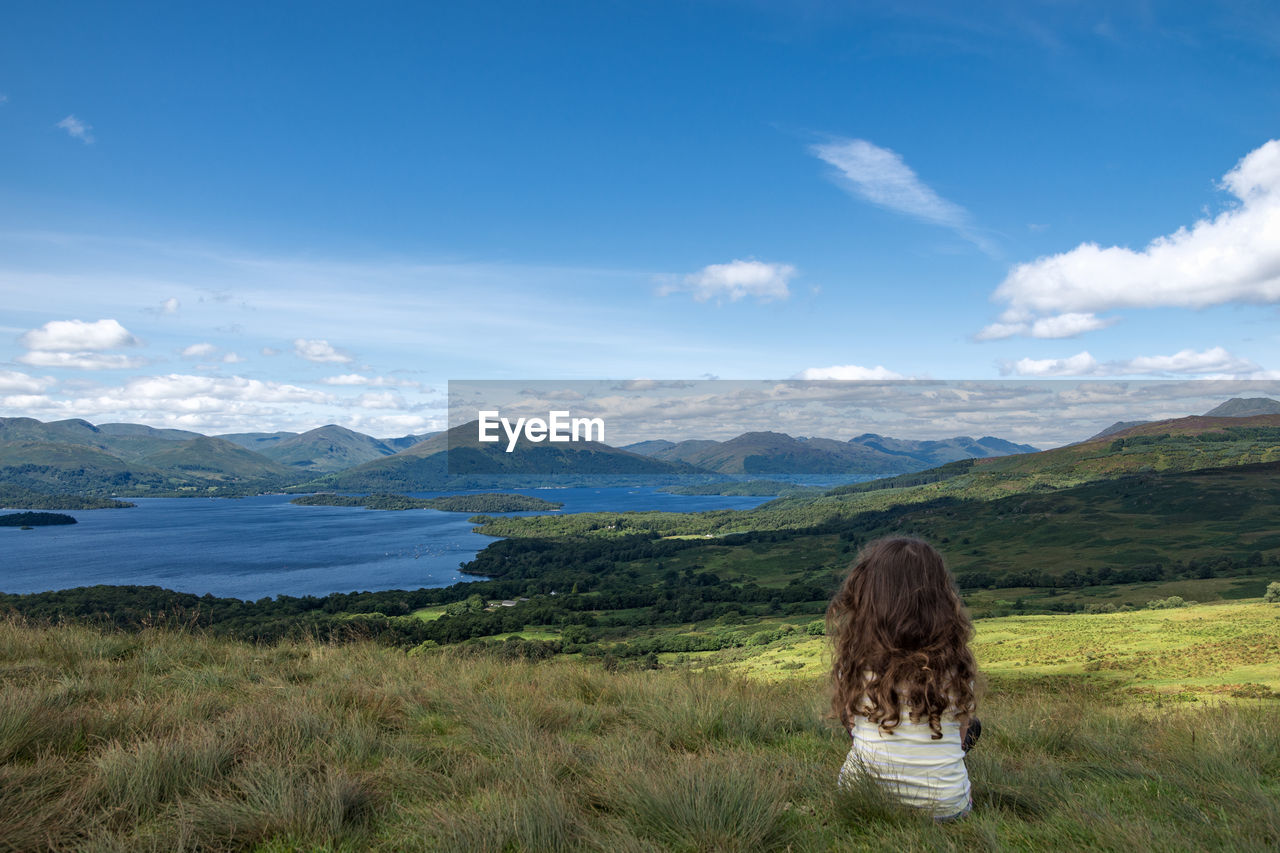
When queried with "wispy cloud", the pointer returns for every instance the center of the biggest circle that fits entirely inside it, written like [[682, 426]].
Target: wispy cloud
[[734, 280], [167, 308], [1232, 257], [1059, 326], [882, 177], [77, 129]]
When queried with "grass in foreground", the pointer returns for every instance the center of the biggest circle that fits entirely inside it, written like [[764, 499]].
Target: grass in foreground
[[171, 741]]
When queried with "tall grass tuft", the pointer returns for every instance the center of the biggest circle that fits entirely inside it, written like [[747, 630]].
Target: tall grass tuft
[[707, 802]]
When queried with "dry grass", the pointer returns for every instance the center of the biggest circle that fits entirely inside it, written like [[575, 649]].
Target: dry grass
[[171, 741]]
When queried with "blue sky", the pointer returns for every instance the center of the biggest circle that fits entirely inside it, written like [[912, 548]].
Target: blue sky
[[273, 216]]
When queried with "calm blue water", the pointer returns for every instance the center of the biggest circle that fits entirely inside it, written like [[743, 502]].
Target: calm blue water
[[264, 546]]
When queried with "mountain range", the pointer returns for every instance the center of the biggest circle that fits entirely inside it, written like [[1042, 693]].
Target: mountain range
[[776, 453], [76, 457]]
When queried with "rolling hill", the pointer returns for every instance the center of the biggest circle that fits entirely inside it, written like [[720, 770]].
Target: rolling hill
[[76, 457], [442, 459], [1236, 407], [1179, 444], [326, 449]]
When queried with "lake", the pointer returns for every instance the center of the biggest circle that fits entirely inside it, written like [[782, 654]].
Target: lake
[[249, 548]]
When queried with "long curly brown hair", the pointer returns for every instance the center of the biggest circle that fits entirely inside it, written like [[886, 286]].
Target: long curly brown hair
[[901, 637]]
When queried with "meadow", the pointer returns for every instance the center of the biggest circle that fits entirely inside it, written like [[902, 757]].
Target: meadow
[[1202, 653], [171, 739]]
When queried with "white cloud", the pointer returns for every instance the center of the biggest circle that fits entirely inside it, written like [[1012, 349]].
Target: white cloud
[[1216, 362], [77, 335], [848, 371], [1058, 326], [232, 358], [1080, 364], [80, 360], [320, 351], [882, 177], [1067, 325], [203, 350], [208, 404], [348, 379], [736, 279], [12, 381], [77, 129], [269, 351], [190, 391], [1232, 257]]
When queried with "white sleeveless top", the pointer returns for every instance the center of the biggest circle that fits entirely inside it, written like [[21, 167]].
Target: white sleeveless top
[[922, 772]]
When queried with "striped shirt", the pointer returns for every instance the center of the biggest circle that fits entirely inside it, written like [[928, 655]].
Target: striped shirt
[[922, 772]]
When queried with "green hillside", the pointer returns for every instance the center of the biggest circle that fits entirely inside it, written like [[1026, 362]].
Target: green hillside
[[215, 459], [202, 464], [325, 449], [1156, 449], [72, 431], [76, 459], [128, 442], [1206, 653], [132, 442], [1183, 444]]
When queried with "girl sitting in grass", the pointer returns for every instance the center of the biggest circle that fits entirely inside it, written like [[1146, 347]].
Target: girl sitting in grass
[[904, 675]]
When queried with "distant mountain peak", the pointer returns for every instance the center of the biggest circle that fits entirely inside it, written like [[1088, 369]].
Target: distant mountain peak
[[1244, 407]]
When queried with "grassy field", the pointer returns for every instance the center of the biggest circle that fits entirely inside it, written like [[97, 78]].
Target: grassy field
[[1201, 652], [166, 740]]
